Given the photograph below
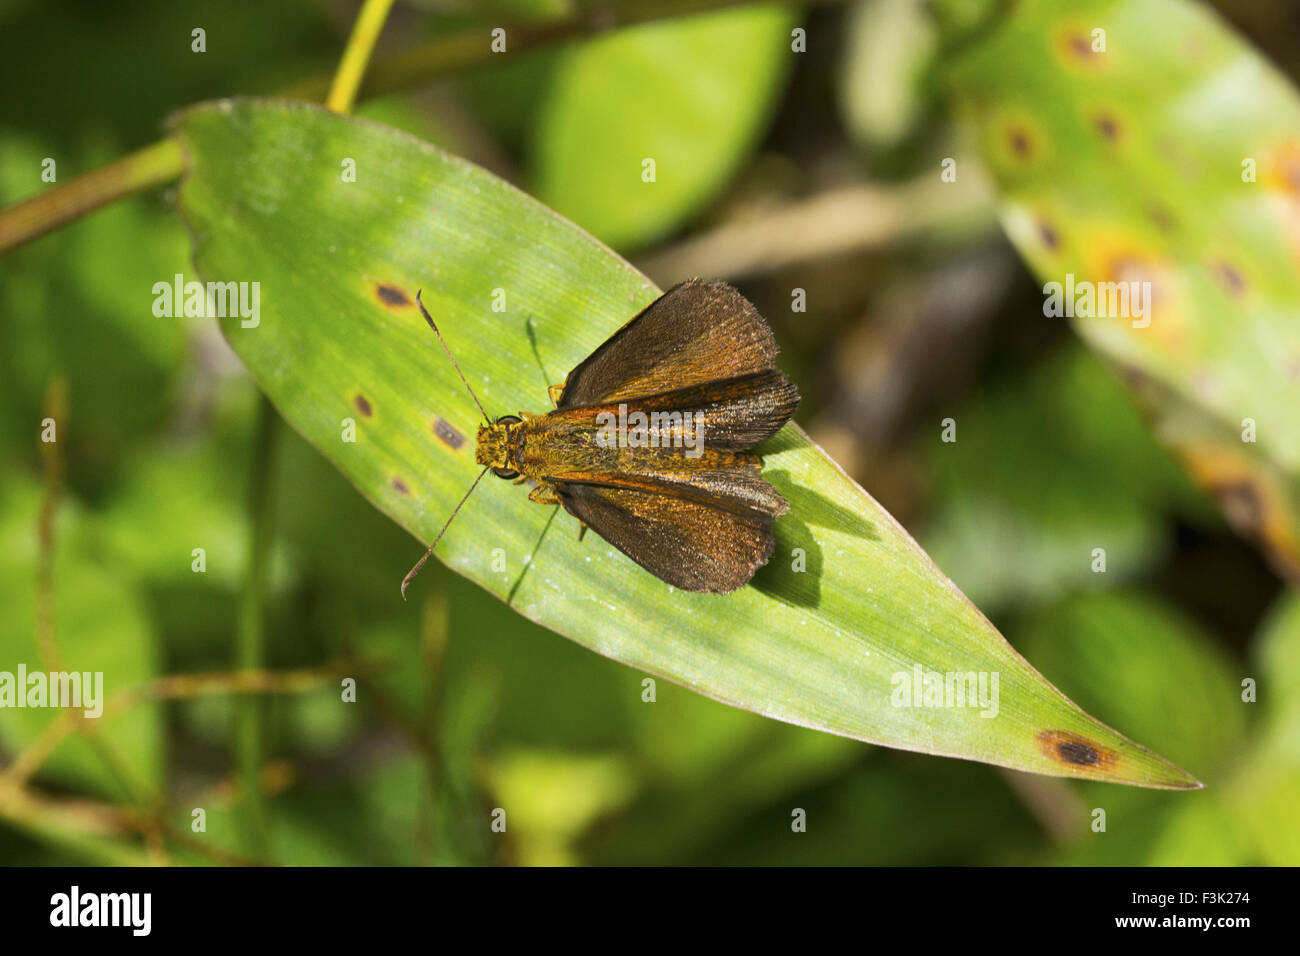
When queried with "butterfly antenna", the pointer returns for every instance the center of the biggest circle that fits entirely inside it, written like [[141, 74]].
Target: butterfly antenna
[[410, 575], [428, 318]]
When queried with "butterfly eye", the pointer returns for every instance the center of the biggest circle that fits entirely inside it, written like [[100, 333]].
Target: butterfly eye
[[507, 472]]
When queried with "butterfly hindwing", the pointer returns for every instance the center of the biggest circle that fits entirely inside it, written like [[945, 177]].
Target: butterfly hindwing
[[727, 480], [689, 544]]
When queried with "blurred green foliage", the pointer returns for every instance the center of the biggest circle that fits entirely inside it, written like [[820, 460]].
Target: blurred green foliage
[[1141, 140], [695, 124], [464, 705]]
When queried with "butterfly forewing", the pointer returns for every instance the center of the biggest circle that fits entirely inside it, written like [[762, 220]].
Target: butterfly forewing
[[696, 332]]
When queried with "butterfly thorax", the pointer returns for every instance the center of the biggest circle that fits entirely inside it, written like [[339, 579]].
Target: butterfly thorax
[[539, 445]]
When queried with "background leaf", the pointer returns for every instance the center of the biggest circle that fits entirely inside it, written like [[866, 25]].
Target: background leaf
[[1130, 165], [1167, 661], [339, 338], [100, 626], [692, 94], [1047, 468]]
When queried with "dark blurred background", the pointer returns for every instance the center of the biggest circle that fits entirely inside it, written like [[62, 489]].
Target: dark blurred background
[[814, 172]]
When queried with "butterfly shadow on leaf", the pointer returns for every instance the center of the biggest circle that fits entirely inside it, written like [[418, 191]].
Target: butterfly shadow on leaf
[[794, 573], [530, 329], [514, 588]]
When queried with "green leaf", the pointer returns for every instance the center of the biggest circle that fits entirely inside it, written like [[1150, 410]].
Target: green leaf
[[553, 797], [174, 500], [72, 307], [1265, 791], [1149, 665], [692, 94], [1171, 157], [1048, 468], [890, 49], [339, 339]]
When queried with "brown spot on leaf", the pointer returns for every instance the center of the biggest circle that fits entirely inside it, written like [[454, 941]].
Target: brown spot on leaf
[[1291, 174], [391, 296], [1050, 239], [1108, 126], [447, 435], [400, 485], [1075, 750], [1231, 280], [363, 404], [1018, 138], [1241, 505], [1162, 218], [1080, 46], [1134, 377], [1075, 47]]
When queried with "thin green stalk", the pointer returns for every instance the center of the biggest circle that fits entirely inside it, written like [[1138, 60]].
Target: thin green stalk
[[434, 633], [250, 647], [251, 650], [450, 54], [144, 169], [356, 57], [133, 785]]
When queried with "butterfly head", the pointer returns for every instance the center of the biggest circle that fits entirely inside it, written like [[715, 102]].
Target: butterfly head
[[498, 446]]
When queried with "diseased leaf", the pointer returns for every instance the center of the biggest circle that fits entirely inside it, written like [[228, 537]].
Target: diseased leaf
[[1143, 141], [847, 604], [1147, 662]]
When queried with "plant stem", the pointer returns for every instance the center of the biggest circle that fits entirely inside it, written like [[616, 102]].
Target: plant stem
[[56, 467], [86, 827], [251, 633], [56, 409], [356, 57], [152, 166], [249, 742], [840, 220], [434, 633], [171, 687]]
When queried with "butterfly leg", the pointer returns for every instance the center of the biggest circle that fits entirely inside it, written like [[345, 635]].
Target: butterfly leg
[[544, 495], [555, 392]]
